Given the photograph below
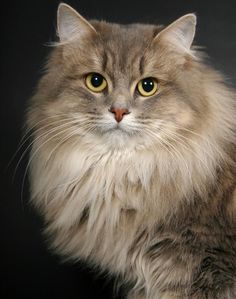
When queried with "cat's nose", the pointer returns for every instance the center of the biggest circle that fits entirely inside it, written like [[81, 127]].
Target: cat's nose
[[119, 113]]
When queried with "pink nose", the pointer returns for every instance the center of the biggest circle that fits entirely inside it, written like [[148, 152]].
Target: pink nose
[[119, 113]]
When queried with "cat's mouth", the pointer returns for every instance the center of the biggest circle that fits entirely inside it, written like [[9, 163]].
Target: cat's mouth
[[124, 128], [120, 130]]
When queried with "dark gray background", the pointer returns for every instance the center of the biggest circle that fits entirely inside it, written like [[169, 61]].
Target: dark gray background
[[27, 268]]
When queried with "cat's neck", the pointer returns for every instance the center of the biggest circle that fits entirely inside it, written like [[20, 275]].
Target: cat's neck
[[138, 178]]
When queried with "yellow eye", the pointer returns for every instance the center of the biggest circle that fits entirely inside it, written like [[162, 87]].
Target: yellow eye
[[147, 87], [95, 82]]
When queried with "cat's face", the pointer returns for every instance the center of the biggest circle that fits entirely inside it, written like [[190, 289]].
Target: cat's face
[[125, 83]]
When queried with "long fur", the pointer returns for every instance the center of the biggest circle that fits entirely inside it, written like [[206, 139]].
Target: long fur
[[153, 202]]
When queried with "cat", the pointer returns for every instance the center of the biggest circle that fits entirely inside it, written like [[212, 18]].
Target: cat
[[133, 157]]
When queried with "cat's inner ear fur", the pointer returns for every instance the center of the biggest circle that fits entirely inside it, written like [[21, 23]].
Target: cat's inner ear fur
[[71, 25], [180, 33]]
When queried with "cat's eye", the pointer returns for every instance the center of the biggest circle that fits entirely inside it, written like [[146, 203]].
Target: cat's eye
[[95, 82], [147, 87]]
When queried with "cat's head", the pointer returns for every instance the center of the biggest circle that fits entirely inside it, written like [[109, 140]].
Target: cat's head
[[123, 84]]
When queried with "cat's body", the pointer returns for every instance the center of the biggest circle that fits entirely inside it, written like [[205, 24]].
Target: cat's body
[[149, 195]]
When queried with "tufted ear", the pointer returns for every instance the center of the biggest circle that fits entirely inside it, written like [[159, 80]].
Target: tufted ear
[[70, 24], [180, 33]]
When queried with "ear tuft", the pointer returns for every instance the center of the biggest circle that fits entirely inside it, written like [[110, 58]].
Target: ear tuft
[[181, 32], [70, 24]]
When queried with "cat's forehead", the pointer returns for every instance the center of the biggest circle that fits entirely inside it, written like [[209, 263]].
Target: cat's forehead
[[126, 32], [130, 36], [124, 45]]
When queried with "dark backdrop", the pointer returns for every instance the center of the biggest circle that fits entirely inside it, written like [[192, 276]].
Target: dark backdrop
[[27, 268]]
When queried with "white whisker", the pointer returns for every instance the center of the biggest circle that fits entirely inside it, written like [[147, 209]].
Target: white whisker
[[25, 138], [41, 136], [170, 146], [181, 140]]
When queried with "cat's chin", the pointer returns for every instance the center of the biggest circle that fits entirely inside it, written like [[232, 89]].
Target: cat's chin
[[114, 129], [119, 131], [121, 138], [117, 135]]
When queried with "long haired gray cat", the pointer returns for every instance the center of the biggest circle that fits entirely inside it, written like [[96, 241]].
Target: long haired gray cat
[[133, 161]]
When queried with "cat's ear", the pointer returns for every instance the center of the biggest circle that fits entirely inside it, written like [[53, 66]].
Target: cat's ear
[[180, 33], [70, 24]]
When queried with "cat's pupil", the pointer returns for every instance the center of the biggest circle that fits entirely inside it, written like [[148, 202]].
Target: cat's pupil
[[97, 80], [148, 84]]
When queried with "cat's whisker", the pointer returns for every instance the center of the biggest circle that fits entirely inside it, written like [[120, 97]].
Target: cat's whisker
[[76, 132], [41, 136], [169, 146], [62, 117], [159, 139], [179, 139], [25, 138], [204, 138], [32, 130], [187, 142]]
